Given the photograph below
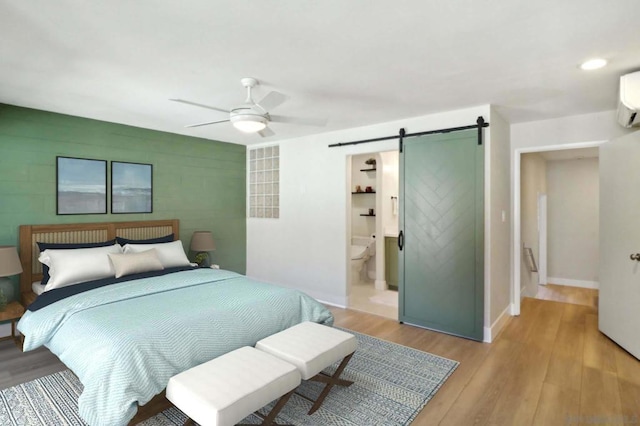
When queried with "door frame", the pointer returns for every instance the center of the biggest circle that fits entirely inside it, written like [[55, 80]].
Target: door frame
[[516, 211], [542, 239]]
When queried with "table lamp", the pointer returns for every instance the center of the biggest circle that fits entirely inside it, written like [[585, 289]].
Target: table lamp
[[9, 265], [202, 243]]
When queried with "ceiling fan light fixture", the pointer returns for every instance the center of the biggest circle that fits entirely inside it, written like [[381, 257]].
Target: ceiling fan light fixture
[[249, 123]]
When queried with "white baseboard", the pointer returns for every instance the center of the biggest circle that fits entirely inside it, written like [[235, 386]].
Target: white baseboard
[[574, 283], [324, 302], [512, 310], [486, 338], [339, 302], [491, 332], [381, 285]]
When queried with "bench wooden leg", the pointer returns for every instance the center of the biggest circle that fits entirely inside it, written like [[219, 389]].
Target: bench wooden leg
[[270, 418], [330, 382]]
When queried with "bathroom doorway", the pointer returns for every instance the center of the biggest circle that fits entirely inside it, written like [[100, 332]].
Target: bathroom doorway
[[372, 232]]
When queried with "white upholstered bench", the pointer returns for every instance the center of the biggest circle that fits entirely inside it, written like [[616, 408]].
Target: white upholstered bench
[[311, 348], [225, 390]]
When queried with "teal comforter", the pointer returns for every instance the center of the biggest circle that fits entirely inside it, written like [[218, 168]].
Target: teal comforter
[[124, 341]]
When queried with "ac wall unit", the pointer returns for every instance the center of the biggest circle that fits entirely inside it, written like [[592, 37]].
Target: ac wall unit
[[629, 102]]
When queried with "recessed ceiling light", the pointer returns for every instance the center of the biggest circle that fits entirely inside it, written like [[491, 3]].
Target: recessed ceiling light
[[593, 64]]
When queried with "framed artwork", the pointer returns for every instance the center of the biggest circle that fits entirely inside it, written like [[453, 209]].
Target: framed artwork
[[81, 186], [131, 187]]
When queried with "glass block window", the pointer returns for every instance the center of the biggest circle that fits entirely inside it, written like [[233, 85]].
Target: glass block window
[[264, 182]]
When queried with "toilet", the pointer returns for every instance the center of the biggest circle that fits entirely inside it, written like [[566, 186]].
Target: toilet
[[362, 248]]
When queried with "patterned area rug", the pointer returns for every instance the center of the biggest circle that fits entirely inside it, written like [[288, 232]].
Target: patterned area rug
[[391, 385]]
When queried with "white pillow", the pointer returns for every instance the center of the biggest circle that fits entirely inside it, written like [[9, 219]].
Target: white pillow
[[37, 287], [67, 267], [170, 254], [133, 263]]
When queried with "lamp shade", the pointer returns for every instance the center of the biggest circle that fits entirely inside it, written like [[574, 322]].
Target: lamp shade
[[9, 261], [202, 241]]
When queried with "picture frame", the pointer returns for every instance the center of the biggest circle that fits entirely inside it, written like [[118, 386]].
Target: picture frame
[[131, 187], [81, 186]]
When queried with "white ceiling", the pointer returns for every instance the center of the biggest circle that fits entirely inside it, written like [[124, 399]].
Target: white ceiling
[[355, 62]]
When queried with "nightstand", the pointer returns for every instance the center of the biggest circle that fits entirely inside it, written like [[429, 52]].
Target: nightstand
[[12, 313]]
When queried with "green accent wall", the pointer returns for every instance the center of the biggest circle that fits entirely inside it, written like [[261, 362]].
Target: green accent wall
[[199, 181]]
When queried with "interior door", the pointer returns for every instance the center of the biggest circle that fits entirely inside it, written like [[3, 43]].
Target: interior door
[[619, 298], [441, 262]]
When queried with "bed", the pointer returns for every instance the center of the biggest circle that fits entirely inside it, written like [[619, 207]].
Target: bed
[[125, 340]]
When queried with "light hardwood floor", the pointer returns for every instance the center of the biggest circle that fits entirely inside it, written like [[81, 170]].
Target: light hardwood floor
[[549, 366], [566, 294]]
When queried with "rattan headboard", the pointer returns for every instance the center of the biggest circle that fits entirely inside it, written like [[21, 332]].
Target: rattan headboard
[[82, 233]]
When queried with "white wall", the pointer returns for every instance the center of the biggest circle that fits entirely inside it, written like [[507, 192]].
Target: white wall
[[533, 182], [599, 126], [497, 224], [390, 187], [387, 221], [573, 228], [307, 247]]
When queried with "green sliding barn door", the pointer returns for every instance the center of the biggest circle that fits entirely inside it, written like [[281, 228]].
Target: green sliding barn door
[[442, 221]]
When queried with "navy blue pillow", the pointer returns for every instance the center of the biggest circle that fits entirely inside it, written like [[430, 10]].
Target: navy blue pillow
[[165, 239], [66, 246]]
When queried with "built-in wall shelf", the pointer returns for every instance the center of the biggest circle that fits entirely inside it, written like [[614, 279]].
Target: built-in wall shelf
[[368, 215], [368, 170], [364, 192]]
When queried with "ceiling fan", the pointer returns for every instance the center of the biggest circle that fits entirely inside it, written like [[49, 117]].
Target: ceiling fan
[[252, 116]]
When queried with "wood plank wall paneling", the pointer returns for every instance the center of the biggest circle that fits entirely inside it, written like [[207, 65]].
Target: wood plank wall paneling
[[200, 182]]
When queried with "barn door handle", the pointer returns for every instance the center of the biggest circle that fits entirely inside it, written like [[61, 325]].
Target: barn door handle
[[635, 257], [401, 241]]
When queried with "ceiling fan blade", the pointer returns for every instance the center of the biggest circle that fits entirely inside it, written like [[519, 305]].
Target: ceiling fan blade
[[272, 100], [207, 123], [182, 101], [266, 132], [305, 121]]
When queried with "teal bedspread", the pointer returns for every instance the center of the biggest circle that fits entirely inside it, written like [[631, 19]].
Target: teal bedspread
[[124, 341]]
